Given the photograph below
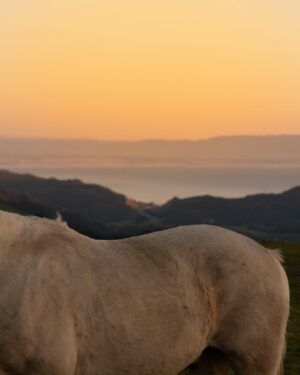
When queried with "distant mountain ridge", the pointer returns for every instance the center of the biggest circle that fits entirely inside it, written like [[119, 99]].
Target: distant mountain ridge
[[101, 213], [234, 150]]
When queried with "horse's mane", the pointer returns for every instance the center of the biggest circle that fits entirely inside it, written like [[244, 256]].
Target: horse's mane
[[277, 254]]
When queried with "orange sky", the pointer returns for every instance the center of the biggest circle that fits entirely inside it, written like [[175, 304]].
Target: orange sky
[[149, 69]]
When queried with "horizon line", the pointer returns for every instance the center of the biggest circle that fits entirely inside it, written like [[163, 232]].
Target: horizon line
[[26, 138]]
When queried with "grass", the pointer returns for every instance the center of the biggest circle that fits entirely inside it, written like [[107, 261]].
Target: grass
[[4, 207], [291, 253]]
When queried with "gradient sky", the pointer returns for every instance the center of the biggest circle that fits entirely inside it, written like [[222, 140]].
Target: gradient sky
[[137, 69]]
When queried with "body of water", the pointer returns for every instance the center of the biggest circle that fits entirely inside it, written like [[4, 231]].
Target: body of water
[[159, 184]]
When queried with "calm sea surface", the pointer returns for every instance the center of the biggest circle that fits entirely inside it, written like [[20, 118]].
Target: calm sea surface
[[159, 184]]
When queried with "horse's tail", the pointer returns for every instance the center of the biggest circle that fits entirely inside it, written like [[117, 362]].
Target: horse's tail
[[283, 352], [277, 254]]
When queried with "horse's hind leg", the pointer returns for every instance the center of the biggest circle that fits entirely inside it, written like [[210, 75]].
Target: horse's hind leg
[[211, 362], [258, 361], [250, 368], [244, 367]]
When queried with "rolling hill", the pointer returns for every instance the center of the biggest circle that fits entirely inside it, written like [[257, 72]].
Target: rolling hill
[[274, 216], [101, 213], [91, 209]]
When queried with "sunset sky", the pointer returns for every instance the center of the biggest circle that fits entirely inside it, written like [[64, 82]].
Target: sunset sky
[[137, 69]]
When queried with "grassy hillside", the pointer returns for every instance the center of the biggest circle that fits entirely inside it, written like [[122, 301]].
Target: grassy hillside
[[275, 217], [291, 254]]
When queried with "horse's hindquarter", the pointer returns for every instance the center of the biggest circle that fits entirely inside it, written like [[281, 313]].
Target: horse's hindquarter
[[237, 287], [251, 294]]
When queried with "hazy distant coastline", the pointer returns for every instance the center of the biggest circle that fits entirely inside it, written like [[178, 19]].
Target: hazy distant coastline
[[220, 151]]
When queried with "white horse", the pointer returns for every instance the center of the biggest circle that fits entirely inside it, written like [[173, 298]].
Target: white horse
[[197, 298]]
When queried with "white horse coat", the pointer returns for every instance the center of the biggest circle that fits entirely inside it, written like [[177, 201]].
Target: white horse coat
[[196, 298]]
